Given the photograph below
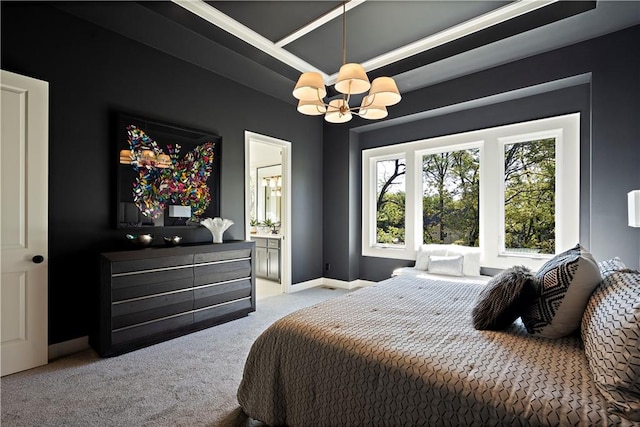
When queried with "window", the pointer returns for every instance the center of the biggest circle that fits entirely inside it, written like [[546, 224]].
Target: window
[[529, 196], [513, 191], [450, 197], [390, 202]]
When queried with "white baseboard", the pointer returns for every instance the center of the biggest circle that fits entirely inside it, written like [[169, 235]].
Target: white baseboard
[[68, 347], [301, 286]]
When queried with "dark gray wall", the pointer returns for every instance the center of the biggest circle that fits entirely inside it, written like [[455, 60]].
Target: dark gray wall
[[92, 73], [600, 78]]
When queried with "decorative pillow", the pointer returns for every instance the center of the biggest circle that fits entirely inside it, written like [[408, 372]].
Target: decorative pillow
[[448, 265], [610, 266], [424, 251], [504, 299], [566, 283], [471, 263], [611, 336]]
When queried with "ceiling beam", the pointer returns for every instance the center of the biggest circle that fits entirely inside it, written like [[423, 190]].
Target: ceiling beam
[[219, 19], [318, 22]]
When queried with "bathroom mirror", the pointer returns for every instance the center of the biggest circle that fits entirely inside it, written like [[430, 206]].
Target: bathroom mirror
[[269, 193]]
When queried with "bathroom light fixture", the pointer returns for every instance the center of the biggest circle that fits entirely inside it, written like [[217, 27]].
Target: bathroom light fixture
[[352, 80]]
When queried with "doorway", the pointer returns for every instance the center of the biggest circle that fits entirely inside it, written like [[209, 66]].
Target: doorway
[[268, 204]]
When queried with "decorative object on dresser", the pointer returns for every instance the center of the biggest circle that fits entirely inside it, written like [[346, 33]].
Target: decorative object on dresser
[[216, 227], [173, 240], [160, 293], [141, 240]]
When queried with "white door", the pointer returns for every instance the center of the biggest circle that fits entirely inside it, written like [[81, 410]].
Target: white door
[[24, 142]]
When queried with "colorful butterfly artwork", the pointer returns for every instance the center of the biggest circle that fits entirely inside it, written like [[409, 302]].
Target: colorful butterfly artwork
[[166, 179]]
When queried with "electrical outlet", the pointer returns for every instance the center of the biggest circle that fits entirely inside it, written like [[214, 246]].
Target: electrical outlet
[[327, 267]]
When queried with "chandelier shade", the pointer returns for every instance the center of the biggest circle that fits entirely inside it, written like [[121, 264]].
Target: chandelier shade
[[371, 109], [310, 87], [385, 90], [352, 79], [310, 90], [312, 108]]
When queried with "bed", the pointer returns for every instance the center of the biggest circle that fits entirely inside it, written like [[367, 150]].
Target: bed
[[404, 352]]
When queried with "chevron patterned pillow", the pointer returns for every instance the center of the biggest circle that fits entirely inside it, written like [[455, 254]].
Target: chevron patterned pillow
[[504, 298], [566, 283], [611, 335]]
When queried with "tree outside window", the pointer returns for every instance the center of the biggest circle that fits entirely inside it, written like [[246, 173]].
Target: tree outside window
[[529, 196], [390, 202], [451, 196]]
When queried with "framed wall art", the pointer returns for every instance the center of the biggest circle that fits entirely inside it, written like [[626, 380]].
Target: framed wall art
[[168, 175]]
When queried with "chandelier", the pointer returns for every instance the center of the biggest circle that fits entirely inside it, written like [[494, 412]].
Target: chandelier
[[352, 80]]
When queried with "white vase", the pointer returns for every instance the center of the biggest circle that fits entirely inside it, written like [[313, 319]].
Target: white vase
[[216, 227], [217, 235]]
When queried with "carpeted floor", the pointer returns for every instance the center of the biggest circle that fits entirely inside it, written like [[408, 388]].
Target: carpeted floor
[[188, 381]]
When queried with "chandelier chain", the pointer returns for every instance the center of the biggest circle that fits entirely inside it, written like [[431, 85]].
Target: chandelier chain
[[344, 32]]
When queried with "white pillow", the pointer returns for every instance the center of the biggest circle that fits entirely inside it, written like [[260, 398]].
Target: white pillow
[[424, 251], [448, 265], [471, 263]]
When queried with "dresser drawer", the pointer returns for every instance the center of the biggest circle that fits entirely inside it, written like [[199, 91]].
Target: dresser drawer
[[148, 331], [222, 311], [206, 274], [207, 295], [150, 264], [273, 243], [136, 285], [222, 256], [144, 309]]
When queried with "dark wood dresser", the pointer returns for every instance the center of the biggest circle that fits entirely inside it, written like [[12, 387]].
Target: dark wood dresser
[[155, 294]]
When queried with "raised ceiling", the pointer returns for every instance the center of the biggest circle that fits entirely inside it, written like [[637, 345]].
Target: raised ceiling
[[266, 44]]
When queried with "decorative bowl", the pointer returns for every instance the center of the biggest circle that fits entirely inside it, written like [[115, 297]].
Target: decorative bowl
[[140, 239], [172, 241]]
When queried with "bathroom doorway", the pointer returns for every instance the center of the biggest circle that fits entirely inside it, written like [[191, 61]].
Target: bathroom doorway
[[268, 210]]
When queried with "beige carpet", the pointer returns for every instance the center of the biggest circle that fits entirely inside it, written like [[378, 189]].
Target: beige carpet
[[188, 381]]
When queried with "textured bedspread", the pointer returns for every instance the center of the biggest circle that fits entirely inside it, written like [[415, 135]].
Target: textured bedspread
[[404, 352]]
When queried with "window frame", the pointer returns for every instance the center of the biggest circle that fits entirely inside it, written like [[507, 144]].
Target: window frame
[[490, 142], [556, 134]]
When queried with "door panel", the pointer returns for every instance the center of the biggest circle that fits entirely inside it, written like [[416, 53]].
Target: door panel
[[24, 215]]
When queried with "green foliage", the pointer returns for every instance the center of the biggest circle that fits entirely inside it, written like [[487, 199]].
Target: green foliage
[[390, 219], [391, 202], [451, 188], [451, 191], [530, 171]]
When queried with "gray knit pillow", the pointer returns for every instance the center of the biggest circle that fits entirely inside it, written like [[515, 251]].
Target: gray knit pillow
[[504, 299]]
